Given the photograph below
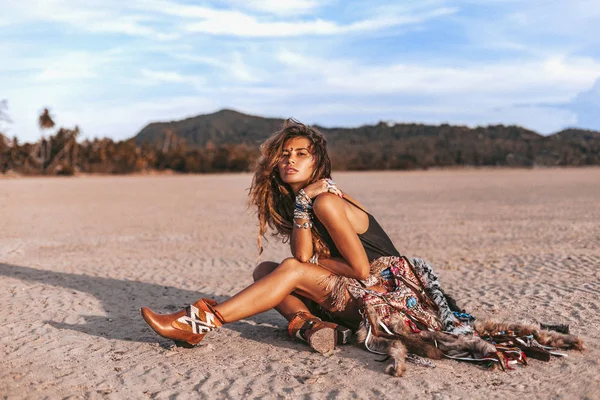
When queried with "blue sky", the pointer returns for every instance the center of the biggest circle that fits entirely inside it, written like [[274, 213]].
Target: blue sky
[[111, 66]]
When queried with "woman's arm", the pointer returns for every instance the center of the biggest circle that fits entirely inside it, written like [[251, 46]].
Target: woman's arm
[[331, 211], [301, 241], [339, 266]]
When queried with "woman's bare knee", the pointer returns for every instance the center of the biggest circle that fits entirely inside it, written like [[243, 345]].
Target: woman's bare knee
[[291, 266], [263, 269]]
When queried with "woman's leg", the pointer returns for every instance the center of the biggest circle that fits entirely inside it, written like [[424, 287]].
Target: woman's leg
[[272, 289], [269, 292], [291, 304]]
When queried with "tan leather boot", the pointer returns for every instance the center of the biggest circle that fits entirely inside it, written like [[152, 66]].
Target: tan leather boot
[[320, 335], [188, 326]]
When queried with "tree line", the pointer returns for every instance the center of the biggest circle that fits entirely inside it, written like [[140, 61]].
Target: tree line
[[377, 147], [60, 153]]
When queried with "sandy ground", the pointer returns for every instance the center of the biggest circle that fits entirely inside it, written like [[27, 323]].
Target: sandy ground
[[79, 256]]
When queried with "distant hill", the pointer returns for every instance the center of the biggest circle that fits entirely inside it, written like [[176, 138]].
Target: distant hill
[[222, 127], [575, 134], [394, 146]]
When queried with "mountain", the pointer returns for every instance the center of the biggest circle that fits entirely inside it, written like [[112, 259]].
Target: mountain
[[221, 127], [574, 134], [393, 146]]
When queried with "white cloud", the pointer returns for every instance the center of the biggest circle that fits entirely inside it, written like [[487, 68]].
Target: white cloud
[[538, 27], [70, 66], [237, 23], [285, 18], [240, 70], [590, 96], [554, 77], [248, 26], [234, 66], [52, 66], [586, 106], [279, 7], [163, 76], [92, 16], [151, 77]]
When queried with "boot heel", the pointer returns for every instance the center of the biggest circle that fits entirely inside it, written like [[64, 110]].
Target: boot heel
[[185, 345], [344, 335], [323, 340]]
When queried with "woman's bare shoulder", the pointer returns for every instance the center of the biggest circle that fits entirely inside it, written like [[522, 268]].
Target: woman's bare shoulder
[[332, 210], [327, 202]]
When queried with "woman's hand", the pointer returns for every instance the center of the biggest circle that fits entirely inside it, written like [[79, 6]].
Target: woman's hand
[[322, 186]]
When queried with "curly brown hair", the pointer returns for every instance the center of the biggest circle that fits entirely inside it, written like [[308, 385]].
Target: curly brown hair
[[274, 198]]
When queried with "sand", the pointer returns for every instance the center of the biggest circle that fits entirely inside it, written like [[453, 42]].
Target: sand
[[80, 256]]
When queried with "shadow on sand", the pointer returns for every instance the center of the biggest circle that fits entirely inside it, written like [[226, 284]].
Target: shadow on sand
[[122, 299]]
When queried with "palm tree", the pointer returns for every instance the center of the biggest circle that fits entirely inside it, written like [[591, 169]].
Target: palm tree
[[4, 118], [45, 121], [66, 151], [74, 146]]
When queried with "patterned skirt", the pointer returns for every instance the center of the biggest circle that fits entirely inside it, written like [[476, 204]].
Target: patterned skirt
[[404, 288], [402, 301]]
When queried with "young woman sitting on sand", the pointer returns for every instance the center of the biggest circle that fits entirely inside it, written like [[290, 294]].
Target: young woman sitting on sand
[[346, 273]]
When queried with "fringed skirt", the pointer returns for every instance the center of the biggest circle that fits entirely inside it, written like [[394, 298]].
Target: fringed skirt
[[398, 286], [405, 315]]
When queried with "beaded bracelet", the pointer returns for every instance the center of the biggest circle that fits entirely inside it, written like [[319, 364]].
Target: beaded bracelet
[[302, 200], [302, 206], [305, 225], [302, 215]]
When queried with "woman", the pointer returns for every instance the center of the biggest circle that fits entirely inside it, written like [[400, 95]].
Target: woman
[[344, 269]]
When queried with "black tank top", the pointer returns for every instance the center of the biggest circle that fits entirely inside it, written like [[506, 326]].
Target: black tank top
[[375, 241]]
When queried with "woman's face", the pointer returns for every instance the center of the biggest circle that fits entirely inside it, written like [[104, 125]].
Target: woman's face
[[296, 162]]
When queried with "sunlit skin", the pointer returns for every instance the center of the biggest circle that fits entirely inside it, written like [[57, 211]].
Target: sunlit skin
[[296, 163], [287, 285]]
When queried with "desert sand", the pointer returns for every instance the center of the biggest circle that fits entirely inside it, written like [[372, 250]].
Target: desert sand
[[79, 257]]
